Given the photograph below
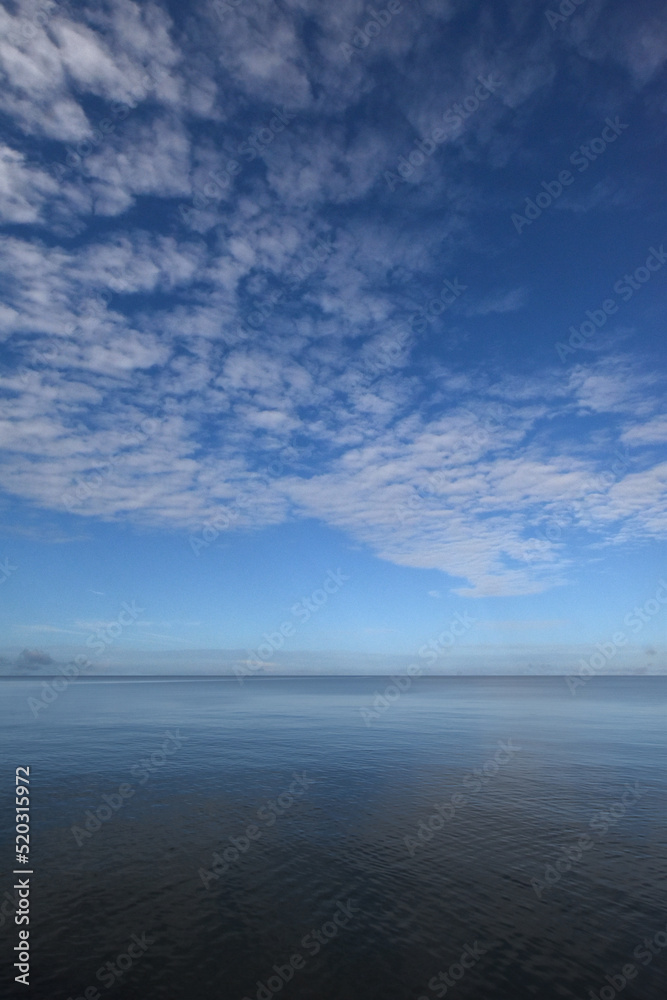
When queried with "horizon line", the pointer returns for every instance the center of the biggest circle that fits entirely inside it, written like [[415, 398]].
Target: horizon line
[[260, 677]]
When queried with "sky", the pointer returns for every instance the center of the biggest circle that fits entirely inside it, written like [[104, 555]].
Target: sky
[[333, 336]]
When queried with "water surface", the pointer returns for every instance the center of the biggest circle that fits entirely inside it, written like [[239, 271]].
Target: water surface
[[335, 807]]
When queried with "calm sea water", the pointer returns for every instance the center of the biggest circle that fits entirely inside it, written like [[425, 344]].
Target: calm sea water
[[275, 844]]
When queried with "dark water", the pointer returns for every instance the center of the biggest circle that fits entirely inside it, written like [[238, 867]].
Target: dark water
[[460, 897]]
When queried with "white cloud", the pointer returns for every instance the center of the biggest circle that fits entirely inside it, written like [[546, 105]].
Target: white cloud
[[652, 432], [225, 327], [61, 60], [501, 302]]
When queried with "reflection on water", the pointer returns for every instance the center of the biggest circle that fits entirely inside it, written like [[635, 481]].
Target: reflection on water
[[481, 837]]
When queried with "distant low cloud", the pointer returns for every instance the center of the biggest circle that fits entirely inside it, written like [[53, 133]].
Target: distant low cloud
[[490, 658], [31, 659]]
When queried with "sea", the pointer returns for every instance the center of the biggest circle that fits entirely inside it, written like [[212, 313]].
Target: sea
[[335, 838]]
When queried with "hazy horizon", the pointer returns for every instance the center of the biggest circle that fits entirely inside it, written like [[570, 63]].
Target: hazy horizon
[[475, 661]]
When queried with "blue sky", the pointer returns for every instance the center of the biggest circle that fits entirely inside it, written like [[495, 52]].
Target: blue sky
[[296, 292]]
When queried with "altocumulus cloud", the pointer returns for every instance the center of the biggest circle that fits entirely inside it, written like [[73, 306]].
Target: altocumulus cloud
[[121, 311]]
